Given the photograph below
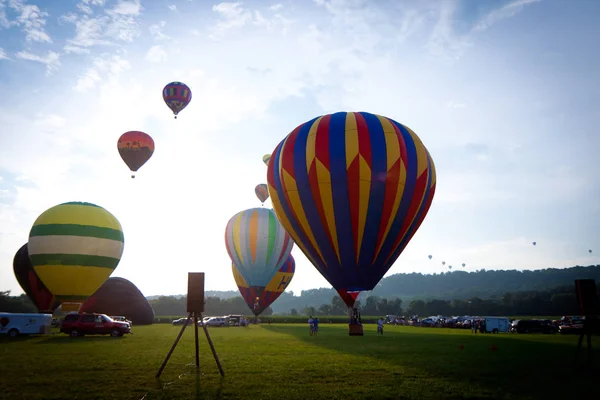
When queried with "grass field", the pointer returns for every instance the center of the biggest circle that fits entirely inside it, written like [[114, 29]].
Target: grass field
[[281, 361]]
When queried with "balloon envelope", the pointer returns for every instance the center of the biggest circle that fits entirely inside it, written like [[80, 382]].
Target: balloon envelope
[[266, 159], [31, 284], [351, 189], [120, 297], [74, 247], [177, 96], [135, 148], [262, 192], [267, 295], [430, 257], [257, 244]]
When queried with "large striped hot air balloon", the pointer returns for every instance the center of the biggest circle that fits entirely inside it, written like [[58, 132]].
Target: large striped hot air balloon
[[258, 299], [258, 246], [74, 247], [351, 188]]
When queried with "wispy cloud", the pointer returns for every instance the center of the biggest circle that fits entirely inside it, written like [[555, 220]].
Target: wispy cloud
[[118, 23], [509, 10], [156, 54], [31, 20], [172, 7], [104, 67], [3, 55], [446, 44], [51, 60], [233, 16]]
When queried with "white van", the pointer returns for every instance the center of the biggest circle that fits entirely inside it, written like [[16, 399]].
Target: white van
[[14, 324], [496, 324]]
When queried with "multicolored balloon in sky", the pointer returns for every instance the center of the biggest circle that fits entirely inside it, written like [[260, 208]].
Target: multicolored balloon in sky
[[31, 284], [351, 188], [135, 148], [177, 96], [259, 299], [258, 246], [262, 192], [74, 247]]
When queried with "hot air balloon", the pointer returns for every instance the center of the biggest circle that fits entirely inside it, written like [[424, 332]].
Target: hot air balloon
[[590, 251], [177, 96], [534, 243], [257, 245], [74, 247], [262, 192], [464, 265], [31, 284], [351, 188], [118, 296], [443, 262], [266, 159], [430, 257], [135, 149], [449, 266], [271, 292]]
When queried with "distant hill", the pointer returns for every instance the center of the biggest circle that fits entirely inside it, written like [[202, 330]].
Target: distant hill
[[458, 285]]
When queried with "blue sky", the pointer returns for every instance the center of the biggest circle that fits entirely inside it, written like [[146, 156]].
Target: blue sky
[[503, 94]]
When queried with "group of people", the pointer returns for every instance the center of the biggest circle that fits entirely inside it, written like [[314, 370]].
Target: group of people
[[313, 326]]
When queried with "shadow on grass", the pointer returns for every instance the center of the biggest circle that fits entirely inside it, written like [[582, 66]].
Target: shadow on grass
[[504, 365]]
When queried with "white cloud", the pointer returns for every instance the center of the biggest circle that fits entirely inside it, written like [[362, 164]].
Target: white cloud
[[233, 16], [156, 54], [31, 19], [3, 55], [276, 7], [104, 67], [172, 7], [509, 10], [119, 23], [51, 60]]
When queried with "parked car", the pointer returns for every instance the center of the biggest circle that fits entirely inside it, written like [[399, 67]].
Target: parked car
[[237, 320], [532, 326], [216, 321], [93, 324], [121, 318], [15, 324], [182, 321]]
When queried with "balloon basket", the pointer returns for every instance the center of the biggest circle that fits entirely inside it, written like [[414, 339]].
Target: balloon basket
[[355, 330]]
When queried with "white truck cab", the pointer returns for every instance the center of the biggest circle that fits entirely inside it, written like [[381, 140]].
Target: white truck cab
[[14, 324]]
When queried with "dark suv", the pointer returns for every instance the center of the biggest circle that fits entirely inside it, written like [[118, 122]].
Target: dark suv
[[93, 324], [532, 326]]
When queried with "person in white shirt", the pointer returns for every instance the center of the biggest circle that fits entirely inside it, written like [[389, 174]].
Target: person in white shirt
[[310, 325]]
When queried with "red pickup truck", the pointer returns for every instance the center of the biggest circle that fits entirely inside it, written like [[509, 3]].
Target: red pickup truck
[[93, 324]]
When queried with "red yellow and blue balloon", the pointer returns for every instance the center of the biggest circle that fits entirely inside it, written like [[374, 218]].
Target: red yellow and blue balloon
[[351, 188]]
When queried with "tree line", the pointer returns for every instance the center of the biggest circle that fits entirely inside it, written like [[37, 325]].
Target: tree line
[[561, 300], [453, 285]]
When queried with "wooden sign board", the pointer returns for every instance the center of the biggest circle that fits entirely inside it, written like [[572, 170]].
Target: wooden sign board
[[195, 294]]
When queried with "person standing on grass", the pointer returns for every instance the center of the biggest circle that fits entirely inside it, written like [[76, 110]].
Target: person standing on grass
[[310, 325], [380, 326], [315, 326]]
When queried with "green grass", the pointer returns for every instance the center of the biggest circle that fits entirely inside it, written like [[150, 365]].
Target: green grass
[[281, 361]]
